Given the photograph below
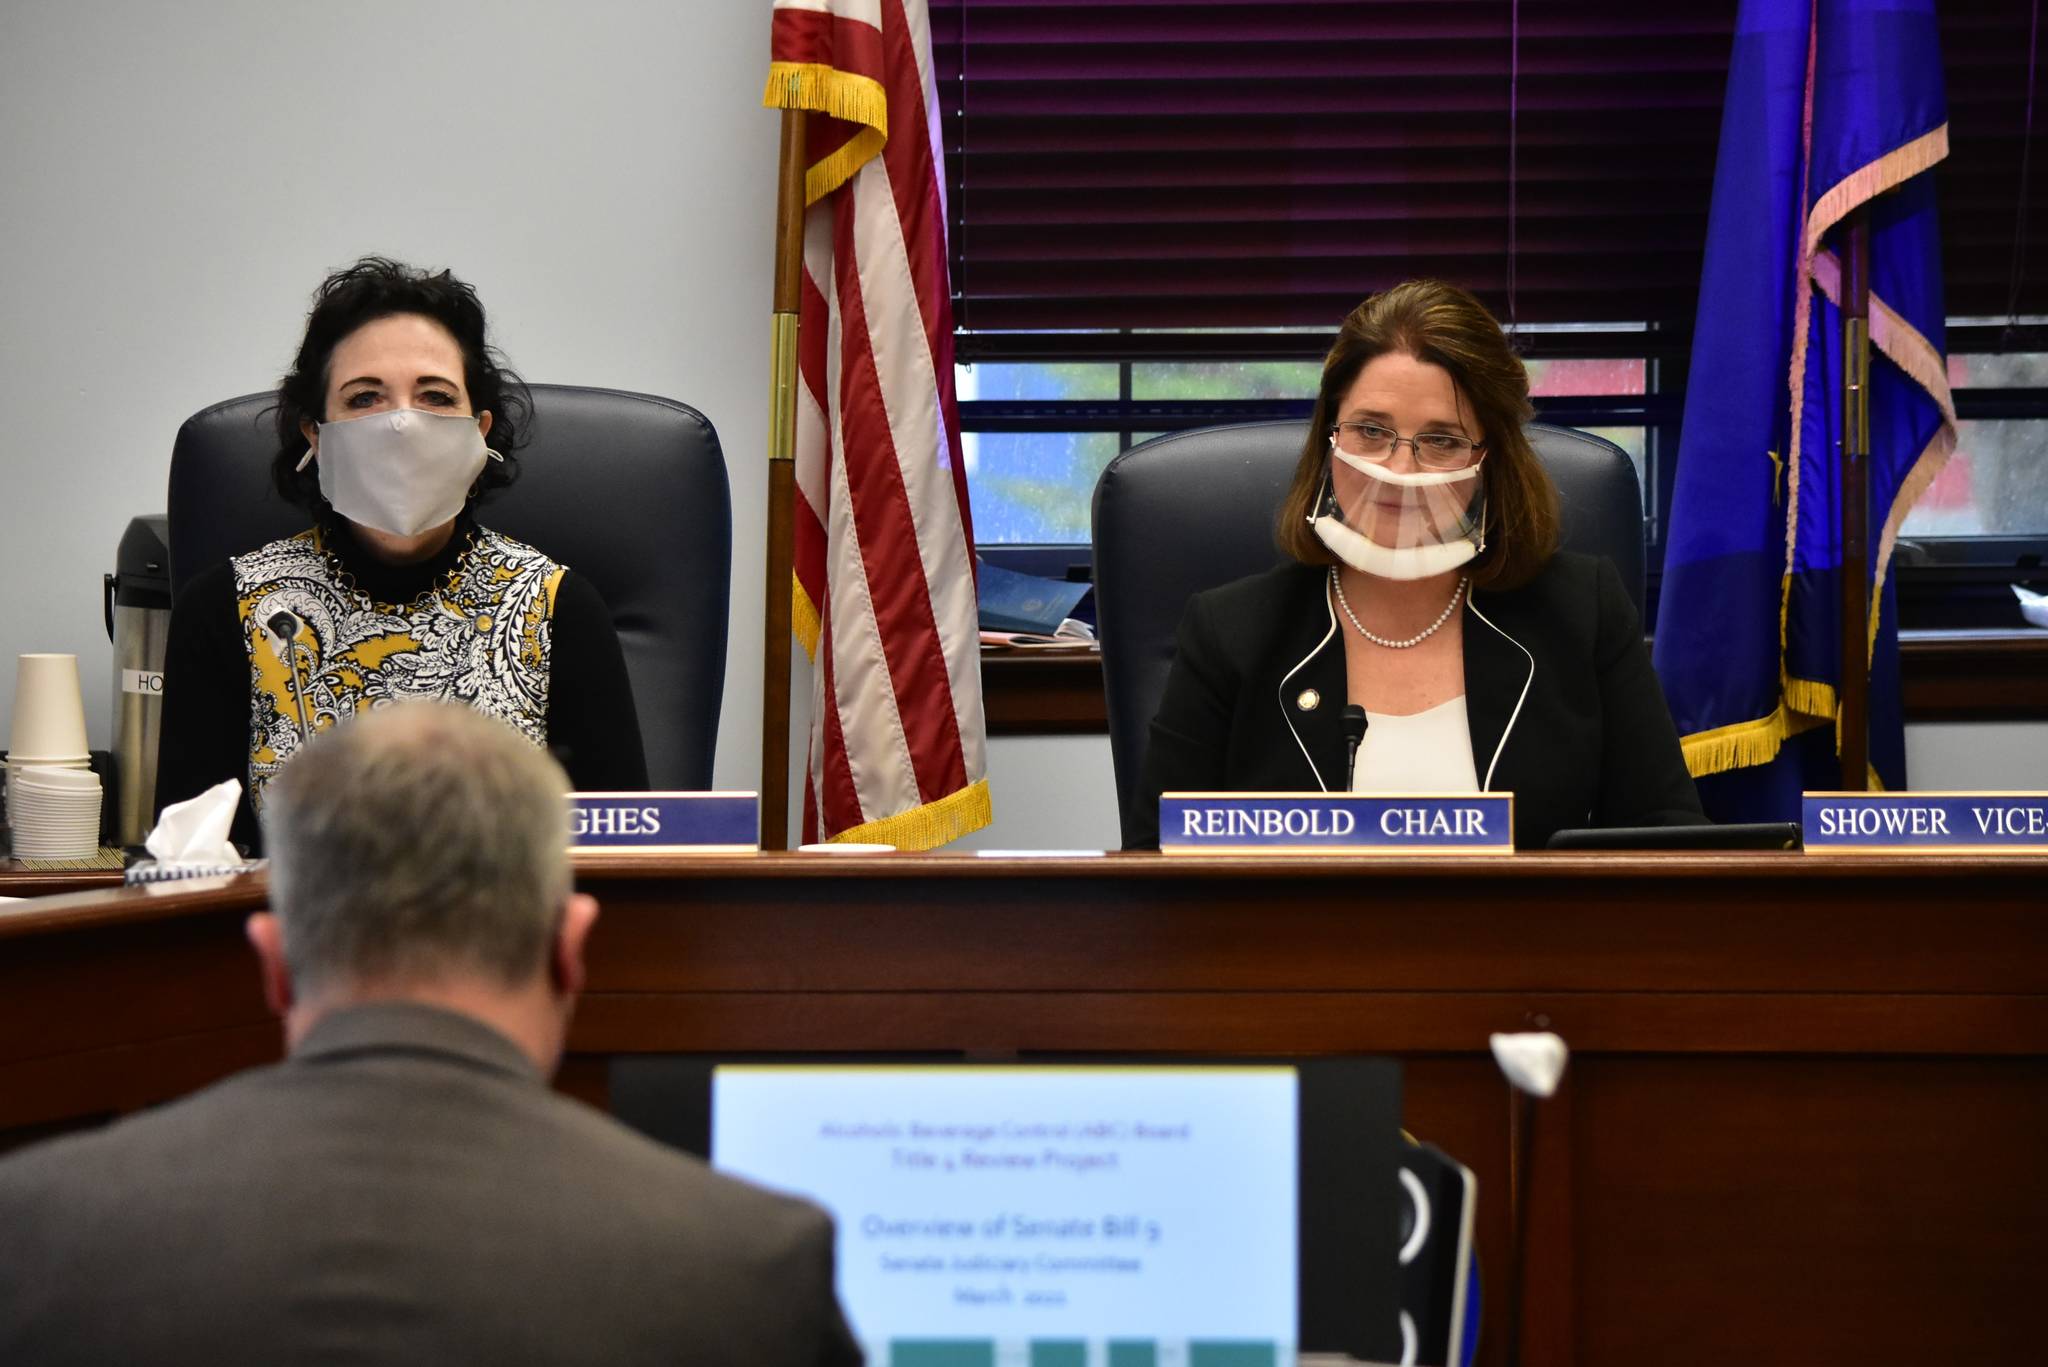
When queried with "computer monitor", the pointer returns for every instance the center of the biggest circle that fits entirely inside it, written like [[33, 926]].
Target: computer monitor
[[1127, 1214]]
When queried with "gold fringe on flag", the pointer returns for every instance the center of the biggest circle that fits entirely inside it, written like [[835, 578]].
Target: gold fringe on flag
[[827, 90], [1872, 179], [803, 618], [928, 826]]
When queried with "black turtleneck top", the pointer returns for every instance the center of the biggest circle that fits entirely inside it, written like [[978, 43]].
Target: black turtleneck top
[[592, 727]]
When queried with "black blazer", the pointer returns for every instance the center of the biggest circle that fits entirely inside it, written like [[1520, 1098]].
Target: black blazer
[[1564, 708]]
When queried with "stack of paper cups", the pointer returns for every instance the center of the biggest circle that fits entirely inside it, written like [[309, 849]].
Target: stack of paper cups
[[55, 812], [53, 797]]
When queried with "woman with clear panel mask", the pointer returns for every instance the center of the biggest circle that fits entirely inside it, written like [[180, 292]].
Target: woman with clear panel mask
[[396, 420], [1424, 585]]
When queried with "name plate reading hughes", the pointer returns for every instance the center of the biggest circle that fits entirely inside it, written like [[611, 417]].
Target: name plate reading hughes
[[665, 823], [1929, 823], [1337, 823]]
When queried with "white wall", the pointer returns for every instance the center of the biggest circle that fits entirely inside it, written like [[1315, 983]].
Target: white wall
[[175, 179], [1985, 755], [1050, 793]]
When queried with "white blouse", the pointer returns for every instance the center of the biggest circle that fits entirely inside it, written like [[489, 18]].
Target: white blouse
[[1425, 752]]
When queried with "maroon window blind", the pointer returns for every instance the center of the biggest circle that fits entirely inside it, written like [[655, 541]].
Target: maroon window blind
[[1984, 50], [1190, 163]]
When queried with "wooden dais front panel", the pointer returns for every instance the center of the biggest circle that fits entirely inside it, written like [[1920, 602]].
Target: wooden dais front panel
[[1801, 1122]]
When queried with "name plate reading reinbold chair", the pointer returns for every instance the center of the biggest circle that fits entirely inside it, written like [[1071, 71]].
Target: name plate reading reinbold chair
[[1925, 823], [1337, 823], [665, 823]]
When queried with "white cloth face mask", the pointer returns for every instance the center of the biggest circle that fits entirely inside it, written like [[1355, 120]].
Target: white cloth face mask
[[402, 471], [1402, 526]]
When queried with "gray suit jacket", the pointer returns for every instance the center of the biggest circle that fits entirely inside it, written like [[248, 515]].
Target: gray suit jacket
[[404, 1189]]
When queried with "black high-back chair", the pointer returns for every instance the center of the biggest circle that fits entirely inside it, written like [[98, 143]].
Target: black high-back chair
[[1191, 510], [628, 490]]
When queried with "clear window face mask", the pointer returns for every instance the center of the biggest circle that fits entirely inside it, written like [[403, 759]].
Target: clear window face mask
[[1401, 524]]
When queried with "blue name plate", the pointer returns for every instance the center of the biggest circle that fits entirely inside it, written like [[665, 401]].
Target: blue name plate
[[665, 823], [1894, 823], [1337, 823]]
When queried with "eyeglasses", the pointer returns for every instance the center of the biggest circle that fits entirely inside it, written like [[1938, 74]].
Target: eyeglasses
[[1433, 450]]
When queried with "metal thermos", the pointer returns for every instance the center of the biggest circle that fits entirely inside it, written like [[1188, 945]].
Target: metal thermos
[[138, 608]]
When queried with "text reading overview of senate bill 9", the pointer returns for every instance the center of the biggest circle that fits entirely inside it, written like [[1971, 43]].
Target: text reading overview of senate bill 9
[[1009, 1204]]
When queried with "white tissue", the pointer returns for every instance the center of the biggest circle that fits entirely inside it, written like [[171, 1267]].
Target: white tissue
[[2033, 606], [195, 831], [1533, 1062]]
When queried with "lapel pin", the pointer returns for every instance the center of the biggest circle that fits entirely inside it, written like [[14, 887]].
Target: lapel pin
[[1308, 700]]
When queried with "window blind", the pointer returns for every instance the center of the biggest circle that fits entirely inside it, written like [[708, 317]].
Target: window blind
[[1196, 163]]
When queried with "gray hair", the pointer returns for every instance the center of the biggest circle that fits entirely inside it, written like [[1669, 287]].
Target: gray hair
[[421, 842]]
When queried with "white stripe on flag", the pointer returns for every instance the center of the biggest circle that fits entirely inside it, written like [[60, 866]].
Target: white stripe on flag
[[864, 697], [810, 406], [910, 396]]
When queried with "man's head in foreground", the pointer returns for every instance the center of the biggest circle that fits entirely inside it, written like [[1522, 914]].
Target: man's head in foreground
[[420, 854]]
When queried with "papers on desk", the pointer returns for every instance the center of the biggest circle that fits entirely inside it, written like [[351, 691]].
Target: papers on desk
[[1040, 854], [1012, 603], [2033, 606], [1022, 640]]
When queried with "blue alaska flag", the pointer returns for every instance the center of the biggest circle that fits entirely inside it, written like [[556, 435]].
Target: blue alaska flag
[[1831, 105]]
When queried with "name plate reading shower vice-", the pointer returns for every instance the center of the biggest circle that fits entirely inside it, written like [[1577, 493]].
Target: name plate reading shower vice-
[[1337, 823], [1925, 823], [665, 823]]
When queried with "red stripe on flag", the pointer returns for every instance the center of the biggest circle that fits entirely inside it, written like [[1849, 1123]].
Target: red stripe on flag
[[812, 38], [908, 631], [913, 179], [812, 322], [839, 803]]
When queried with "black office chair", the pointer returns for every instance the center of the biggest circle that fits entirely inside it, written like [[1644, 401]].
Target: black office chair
[[629, 490], [1218, 490]]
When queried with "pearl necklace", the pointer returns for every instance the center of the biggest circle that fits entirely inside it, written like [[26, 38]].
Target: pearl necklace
[[1419, 637]]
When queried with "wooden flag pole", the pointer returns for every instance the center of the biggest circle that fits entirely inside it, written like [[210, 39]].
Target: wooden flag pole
[[789, 273], [1853, 685]]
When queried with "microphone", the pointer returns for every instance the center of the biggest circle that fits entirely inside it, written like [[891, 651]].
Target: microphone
[[1353, 718], [284, 631]]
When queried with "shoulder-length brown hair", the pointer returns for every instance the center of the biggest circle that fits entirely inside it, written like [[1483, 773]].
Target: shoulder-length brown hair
[[1446, 326]]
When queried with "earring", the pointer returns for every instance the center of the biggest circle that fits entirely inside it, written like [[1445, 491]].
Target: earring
[[495, 454]]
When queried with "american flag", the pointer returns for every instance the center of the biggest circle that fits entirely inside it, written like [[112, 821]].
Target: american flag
[[884, 561]]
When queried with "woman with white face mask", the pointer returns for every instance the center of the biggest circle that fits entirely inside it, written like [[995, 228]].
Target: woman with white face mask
[[1426, 588], [395, 421]]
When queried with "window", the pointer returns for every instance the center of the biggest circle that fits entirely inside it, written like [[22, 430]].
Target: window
[[1159, 212], [1996, 483]]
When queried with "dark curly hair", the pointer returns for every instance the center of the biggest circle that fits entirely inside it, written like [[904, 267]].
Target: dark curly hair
[[378, 287]]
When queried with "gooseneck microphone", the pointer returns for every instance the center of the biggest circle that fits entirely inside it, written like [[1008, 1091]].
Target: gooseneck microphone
[[1353, 718], [284, 632]]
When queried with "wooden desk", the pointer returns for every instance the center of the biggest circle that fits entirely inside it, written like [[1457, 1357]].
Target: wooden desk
[[1803, 1122], [20, 880]]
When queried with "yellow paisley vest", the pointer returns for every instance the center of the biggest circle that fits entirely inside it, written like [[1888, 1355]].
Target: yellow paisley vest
[[480, 635]]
